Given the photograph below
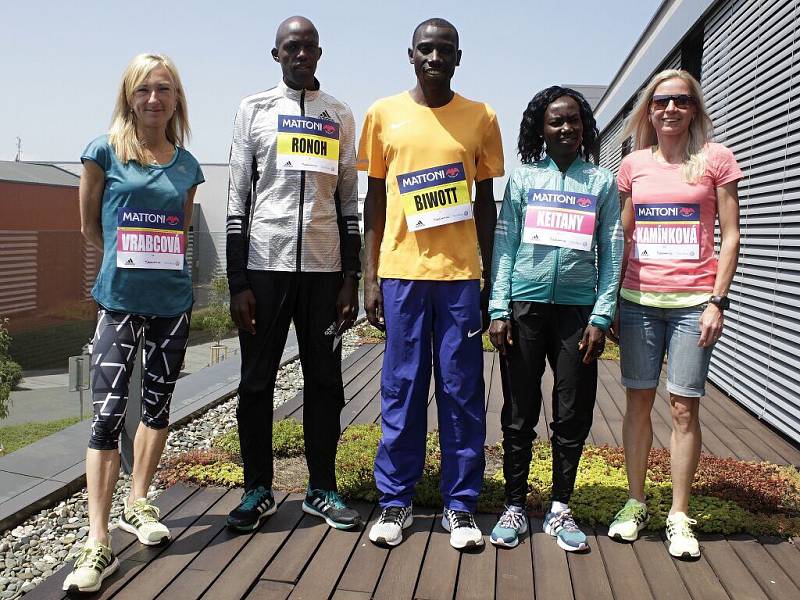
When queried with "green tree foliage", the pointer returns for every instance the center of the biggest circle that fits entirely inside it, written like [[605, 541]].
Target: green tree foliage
[[217, 317], [10, 372]]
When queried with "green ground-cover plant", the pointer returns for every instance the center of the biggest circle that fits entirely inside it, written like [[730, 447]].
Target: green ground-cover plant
[[730, 495]]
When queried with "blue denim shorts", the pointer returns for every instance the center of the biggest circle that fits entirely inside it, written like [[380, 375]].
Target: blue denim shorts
[[647, 333]]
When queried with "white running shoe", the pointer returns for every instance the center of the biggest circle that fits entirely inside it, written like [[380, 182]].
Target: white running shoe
[[388, 529], [141, 519], [629, 521], [95, 562], [682, 543], [464, 533]]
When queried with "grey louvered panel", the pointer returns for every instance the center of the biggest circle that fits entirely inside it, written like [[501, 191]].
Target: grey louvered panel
[[611, 146], [673, 62], [756, 360]]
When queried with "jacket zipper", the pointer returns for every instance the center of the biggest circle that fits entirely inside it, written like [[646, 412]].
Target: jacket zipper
[[299, 259], [558, 251]]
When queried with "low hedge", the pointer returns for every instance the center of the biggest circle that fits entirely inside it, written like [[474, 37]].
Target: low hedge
[[729, 495]]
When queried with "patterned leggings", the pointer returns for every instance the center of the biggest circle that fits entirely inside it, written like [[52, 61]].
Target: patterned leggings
[[115, 341]]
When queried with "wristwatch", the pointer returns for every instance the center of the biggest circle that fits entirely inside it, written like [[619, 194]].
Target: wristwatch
[[721, 302], [354, 274]]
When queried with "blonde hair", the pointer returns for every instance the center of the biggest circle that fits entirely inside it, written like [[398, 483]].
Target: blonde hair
[[644, 134], [122, 134]]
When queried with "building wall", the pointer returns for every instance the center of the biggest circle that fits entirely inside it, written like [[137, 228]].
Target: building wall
[[750, 69]]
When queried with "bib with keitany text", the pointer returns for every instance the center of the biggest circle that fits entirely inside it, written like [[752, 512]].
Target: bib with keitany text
[[559, 218], [667, 231], [435, 196], [150, 239], [308, 144]]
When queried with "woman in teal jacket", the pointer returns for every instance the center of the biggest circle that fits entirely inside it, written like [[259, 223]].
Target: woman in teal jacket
[[555, 275]]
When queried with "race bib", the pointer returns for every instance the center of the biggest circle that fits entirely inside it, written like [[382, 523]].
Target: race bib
[[667, 231], [150, 239], [434, 197], [556, 218], [308, 144]]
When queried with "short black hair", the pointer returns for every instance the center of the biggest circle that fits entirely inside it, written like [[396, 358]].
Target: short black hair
[[530, 144], [433, 22]]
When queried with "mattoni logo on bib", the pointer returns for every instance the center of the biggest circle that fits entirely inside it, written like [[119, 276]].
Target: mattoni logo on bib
[[666, 231], [150, 239], [435, 196], [560, 218], [308, 144]]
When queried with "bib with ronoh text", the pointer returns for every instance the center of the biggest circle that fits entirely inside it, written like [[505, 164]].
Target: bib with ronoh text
[[667, 231], [560, 218], [150, 239], [308, 144], [435, 196]]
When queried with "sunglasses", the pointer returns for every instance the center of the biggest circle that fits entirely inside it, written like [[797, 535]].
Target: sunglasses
[[681, 100]]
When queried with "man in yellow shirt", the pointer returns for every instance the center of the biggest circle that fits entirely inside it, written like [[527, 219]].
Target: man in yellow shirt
[[423, 149]]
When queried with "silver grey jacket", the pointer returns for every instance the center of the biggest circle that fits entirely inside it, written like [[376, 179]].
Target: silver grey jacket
[[285, 220]]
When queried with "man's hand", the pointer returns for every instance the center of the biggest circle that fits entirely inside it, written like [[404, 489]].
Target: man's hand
[[243, 310], [593, 342], [373, 304], [711, 322], [500, 335], [347, 305]]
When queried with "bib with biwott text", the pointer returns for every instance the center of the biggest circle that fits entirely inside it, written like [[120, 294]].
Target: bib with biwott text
[[667, 231], [150, 239], [308, 144], [560, 218], [435, 196]]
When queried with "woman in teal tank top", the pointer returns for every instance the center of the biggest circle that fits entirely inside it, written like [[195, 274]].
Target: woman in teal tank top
[[136, 195]]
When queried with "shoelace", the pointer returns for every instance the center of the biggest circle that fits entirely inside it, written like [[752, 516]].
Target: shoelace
[[681, 527], [253, 498], [460, 518], [512, 519], [564, 520], [630, 512], [147, 513], [96, 561], [394, 515], [333, 499]]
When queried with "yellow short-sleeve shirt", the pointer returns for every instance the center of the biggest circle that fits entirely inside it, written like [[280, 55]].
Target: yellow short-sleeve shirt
[[401, 139]]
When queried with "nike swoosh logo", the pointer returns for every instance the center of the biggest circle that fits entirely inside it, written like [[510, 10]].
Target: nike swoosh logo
[[473, 333], [398, 125]]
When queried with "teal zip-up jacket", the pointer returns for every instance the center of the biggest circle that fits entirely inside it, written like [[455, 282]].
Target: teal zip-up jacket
[[541, 273]]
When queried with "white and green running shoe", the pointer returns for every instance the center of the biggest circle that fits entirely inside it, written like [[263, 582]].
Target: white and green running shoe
[[682, 543], [141, 519], [95, 562], [629, 521], [512, 524]]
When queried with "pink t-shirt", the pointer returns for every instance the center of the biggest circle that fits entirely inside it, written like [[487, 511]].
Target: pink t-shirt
[[673, 249]]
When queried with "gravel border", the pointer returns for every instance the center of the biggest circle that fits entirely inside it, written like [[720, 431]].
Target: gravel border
[[38, 547]]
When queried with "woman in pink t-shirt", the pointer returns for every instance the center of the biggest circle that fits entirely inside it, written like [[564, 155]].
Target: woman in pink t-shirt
[[674, 289]]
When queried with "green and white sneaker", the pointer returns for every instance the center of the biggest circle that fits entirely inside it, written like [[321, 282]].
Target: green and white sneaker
[[95, 562], [629, 521], [328, 505], [682, 543], [141, 519]]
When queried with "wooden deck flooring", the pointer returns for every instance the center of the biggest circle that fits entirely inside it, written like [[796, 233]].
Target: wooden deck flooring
[[297, 556]]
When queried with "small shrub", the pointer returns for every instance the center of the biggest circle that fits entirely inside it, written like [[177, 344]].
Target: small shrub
[[355, 461], [216, 317], [367, 334], [487, 343], [10, 372], [287, 438]]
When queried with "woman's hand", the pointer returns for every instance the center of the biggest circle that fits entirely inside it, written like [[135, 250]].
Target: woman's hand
[[593, 342], [711, 323], [500, 335]]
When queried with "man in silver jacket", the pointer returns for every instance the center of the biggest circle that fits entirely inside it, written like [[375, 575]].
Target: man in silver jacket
[[292, 255]]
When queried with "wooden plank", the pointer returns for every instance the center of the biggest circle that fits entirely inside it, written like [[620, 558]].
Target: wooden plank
[[477, 569], [348, 595], [320, 577], [364, 568], [167, 502], [624, 573], [550, 569], [437, 580], [359, 380], [738, 582], [698, 577], [158, 574], [785, 554], [514, 574], [191, 584], [659, 568], [177, 521], [273, 590], [354, 410], [611, 414], [360, 358], [248, 564], [494, 403], [399, 577], [769, 575], [488, 366], [297, 550], [587, 571]]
